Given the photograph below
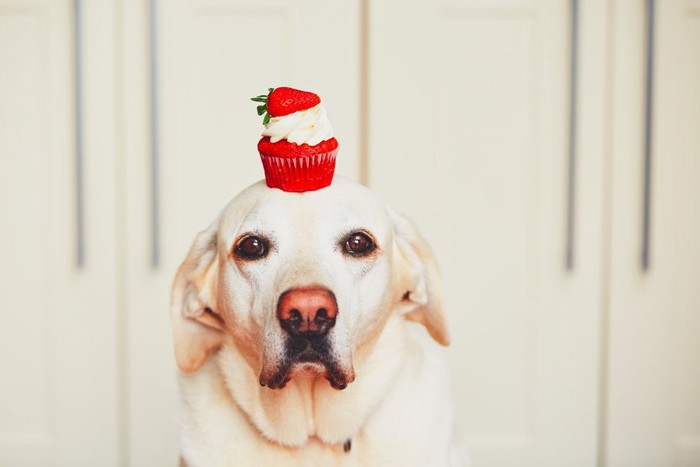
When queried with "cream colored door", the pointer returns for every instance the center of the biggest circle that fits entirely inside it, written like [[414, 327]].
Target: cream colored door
[[212, 56], [654, 370], [58, 331], [468, 127]]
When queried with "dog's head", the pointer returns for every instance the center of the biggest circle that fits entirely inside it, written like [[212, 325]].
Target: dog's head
[[302, 282]]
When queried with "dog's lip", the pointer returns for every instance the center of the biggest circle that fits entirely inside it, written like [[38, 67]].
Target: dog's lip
[[308, 360], [337, 379], [309, 355]]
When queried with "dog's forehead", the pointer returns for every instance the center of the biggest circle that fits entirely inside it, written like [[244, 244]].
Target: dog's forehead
[[343, 204]]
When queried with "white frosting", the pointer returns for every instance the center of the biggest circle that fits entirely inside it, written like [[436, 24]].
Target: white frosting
[[309, 126]]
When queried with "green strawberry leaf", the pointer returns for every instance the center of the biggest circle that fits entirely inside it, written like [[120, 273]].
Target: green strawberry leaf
[[262, 109]]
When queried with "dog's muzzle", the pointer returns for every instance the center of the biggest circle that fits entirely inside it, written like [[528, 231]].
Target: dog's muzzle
[[307, 314]]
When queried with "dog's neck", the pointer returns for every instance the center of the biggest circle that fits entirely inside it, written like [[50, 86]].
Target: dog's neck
[[308, 407]]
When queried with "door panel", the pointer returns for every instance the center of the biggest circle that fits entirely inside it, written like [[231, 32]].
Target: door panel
[[468, 135], [654, 378], [58, 338], [23, 427]]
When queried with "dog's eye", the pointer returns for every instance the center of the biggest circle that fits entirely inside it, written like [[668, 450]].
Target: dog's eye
[[359, 244], [251, 248]]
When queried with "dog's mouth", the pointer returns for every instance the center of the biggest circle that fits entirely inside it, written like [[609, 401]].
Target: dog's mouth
[[311, 357]]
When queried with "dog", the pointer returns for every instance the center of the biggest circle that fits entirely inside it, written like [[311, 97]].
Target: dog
[[309, 331]]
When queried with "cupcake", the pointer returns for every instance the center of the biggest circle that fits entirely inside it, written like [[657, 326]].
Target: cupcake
[[297, 147]]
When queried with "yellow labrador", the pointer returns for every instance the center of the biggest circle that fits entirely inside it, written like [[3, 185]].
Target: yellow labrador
[[295, 327]]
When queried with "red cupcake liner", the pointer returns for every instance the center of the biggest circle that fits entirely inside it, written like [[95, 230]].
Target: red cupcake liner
[[299, 173]]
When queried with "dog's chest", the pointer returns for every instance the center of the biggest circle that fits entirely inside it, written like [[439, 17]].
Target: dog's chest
[[262, 453], [314, 453]]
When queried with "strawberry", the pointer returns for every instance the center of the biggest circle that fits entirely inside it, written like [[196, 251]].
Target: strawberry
[[284, 101]]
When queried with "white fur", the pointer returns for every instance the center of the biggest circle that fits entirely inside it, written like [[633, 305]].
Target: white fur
[[397, 411]]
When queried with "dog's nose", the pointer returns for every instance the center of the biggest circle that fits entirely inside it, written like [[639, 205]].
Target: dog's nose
[[307, 311]]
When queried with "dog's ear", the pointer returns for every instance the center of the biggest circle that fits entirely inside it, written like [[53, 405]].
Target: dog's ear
[[197, 328], [419, 283]]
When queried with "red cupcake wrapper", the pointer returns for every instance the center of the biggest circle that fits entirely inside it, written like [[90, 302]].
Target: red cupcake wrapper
[[302, 173]]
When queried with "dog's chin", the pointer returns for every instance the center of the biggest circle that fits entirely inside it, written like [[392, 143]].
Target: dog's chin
[[308, 364]]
